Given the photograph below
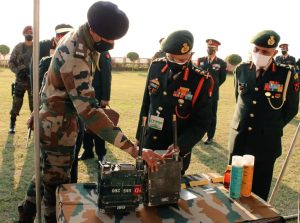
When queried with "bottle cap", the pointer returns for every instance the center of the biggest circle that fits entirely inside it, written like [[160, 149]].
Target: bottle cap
[[237, 161], [248, 160], [228, 167]]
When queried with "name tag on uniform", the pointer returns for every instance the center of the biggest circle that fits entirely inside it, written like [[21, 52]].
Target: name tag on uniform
[[156, 122]]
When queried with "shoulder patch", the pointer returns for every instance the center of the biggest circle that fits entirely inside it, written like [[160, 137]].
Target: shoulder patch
[[157, 60]]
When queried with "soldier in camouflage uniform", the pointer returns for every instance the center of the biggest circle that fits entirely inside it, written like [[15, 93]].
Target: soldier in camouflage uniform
[[67, 96], [160, 53], [19, 63]]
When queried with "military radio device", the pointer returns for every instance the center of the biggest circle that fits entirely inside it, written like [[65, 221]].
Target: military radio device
[[120, 185], [163, 186]]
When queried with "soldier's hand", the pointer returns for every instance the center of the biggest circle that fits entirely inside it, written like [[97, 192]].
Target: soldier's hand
[[104, 103], [30, 122], [170, 152], [152, 159]]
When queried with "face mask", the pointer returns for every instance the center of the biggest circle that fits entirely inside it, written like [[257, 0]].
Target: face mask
[[175, 67], [210, 51], [28, 37], [284, 52], [260, 60], [102, 46]]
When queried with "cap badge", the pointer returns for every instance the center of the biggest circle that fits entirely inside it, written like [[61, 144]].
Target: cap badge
[[185, 48], [271, 41]]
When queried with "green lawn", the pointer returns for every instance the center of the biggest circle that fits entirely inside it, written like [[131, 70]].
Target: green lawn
[[17, 164]]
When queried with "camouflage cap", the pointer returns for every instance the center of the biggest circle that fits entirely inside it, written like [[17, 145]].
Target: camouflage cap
[[178, 43], [266, 38], [107, 20], [63, 28]]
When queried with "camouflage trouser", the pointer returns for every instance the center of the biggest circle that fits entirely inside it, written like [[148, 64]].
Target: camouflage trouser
[[58, 135], [21, 86]]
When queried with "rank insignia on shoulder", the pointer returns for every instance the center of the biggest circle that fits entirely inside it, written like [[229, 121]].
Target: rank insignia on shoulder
[[162, 59], [202, 72], [153, 86], [80, 51]]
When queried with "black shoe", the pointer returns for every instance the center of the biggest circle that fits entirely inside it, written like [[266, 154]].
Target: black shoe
[[86, 156], [11, 131], [208, 141], [12, 125]]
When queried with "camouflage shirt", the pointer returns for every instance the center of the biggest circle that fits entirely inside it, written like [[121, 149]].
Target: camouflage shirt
[[68, 87], [20, 57]]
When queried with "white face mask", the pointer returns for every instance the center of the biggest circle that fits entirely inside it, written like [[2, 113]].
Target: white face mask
[[260, 60]]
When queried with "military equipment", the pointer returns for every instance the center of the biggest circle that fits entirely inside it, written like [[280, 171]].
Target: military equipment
[[163, 186], [12, 89], [120, 185], [119, 188]]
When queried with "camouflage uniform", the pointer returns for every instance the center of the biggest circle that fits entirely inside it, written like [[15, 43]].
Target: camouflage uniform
[[159, 54], [19, 64], [67, 94]]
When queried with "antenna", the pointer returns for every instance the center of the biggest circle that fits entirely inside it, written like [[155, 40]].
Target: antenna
[[139, 160], [176, 151]]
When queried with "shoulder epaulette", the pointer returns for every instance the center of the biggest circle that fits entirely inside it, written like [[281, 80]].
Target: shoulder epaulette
[[80, 49], [201, 72], [157, 60], [287, 66]]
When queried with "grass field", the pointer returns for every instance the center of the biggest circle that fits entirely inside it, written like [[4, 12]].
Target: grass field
[[17, 164]]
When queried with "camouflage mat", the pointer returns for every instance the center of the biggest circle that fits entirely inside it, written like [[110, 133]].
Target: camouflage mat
[[206, 204]]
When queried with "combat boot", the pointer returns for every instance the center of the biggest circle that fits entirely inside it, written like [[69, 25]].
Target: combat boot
[[27, 212], [12, 125]]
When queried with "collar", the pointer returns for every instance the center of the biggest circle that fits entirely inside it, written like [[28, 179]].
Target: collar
[[87, 38]]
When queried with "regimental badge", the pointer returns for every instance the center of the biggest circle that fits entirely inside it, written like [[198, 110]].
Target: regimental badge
[[185, 48], [271, 41], [296, 76], [183, 93], [273, 86], [153, 86], [209, 42]]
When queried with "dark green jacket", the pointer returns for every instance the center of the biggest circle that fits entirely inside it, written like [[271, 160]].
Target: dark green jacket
[[102, 78], [258, 120], [192, 121], [217, 69], [289, 60]]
